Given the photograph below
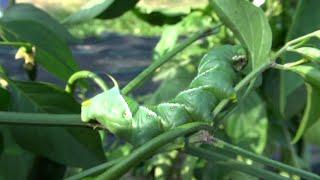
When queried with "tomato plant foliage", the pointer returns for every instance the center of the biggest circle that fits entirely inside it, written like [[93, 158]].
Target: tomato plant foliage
[[223, 107]]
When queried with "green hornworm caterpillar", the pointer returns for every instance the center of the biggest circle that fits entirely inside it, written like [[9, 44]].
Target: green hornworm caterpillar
[[138, 124]]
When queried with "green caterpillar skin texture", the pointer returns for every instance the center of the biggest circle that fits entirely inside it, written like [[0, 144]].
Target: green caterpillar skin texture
[[137, 124]]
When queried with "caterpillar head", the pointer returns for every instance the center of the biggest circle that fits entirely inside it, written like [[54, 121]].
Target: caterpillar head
[[109, 109], [239, 61]]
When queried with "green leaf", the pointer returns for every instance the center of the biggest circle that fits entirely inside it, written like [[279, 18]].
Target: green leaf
[[311, 114], [309, 53], [28, 12], [313, 133], [79, 147], [290, 84], [311, 75], [15, 163], [51, 51], [105, 9], [158, 17], [248, 124], [2, 71], [5, 98], [250, 26]]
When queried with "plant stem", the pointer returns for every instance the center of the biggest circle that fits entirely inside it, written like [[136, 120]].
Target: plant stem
[[94, 169], [263, 160], [230, 163], [149, 148], [293, 42], [16, 44], [296, 63], [41, 119], [84, 75], [137, 81], [288, 65]]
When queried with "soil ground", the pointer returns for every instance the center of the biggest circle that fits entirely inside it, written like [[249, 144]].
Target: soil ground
[[121, 56]]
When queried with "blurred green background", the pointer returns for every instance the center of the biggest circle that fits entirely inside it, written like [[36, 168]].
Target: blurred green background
[[126, 24]]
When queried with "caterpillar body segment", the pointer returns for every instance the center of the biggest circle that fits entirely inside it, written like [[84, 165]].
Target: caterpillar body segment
[[215, 81]]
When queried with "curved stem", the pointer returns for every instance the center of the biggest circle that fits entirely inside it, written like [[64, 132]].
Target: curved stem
[[94, 170], [263, 160], [84, 75], [137, 81], [149, 148]]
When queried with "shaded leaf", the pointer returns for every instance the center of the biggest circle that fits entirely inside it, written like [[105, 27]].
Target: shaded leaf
[[51, 52], [117, 8], [249, 25], [29, 12], [311, 75], [309, 53], [15, 163], [158, 17], [104, 9], [79, 147], [1, 144], [247, 126], [290, 82], [5, 98], [311, 114]]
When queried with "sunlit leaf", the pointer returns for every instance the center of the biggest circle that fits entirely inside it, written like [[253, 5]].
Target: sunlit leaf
[[309, 53], [158, 17], [167, 41], [312, 134], [51, 51], [29, 12], [250, 26]]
